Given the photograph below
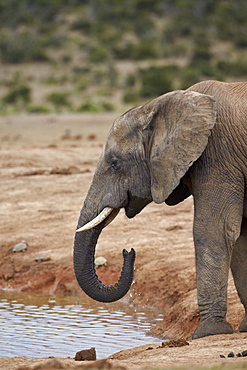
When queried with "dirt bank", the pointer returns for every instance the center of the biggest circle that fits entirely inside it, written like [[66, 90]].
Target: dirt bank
[[47, 163]]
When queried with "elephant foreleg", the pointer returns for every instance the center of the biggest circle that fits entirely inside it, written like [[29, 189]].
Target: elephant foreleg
[[239, 270], [217, 224]]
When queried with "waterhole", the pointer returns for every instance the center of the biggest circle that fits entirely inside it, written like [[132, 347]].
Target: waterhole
[[38, 325]]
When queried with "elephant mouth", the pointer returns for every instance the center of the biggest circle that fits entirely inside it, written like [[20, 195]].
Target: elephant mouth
[[135, 205]]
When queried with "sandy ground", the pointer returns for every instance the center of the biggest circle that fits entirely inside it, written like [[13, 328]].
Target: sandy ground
[[47, 163]]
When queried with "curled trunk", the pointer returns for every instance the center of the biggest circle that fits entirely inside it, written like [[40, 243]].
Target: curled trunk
[[84, 251]]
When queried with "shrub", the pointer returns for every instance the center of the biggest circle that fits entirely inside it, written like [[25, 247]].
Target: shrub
[[59, 99], [234, 69], [144, 49], [188, 77], [105, 91], [21, 47], [107, 107], [201, 53], [96, 107], [131, 80], [156, 81], [55, 39], [18, 95], [82, 24], [98, 54], [66, 58], [38, 109], [131, 96], [90, 107], [201, 47]]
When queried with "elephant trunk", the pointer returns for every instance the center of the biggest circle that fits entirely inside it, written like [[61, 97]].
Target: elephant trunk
[[84, 251]]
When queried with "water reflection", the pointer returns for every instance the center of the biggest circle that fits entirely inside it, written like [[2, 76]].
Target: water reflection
[[38, 325]]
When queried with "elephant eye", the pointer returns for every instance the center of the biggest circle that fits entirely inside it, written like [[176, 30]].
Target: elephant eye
[[115, 164]]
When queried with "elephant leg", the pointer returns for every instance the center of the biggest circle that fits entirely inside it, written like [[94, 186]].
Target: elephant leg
[[239, 270], [217, 224]]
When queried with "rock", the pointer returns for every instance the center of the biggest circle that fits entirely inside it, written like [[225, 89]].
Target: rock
[[100, 261], [244, 353], [231, 354], [42, 258], [175, 343], [20, 247], [86, 355]]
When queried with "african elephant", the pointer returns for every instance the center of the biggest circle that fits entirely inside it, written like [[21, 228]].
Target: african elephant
[[183, 143]]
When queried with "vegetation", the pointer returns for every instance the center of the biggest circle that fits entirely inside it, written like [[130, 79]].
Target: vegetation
[[101, 55]]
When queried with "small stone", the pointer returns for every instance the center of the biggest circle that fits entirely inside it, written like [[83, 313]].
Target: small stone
[[100, 261], [42, 258], [175, 343], [222, 356], [239, 355], [244, 353], [86, 355], [231, 354], [19, 247]]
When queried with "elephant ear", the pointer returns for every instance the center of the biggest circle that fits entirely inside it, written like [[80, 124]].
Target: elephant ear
[[180, 131]]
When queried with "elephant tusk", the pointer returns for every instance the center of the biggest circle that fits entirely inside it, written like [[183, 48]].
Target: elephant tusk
[[98, 219]]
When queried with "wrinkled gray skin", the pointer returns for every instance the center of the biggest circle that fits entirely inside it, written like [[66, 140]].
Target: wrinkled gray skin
[[179, 144]]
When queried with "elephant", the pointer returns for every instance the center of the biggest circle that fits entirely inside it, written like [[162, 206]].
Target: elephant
[[185, 142]]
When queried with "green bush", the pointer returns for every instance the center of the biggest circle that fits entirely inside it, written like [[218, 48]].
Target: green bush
[[82, 24], [18, 95], [201, 53], [56, 80], [131, 96], [38, 109], [98, 54], [235, 69], [123, 51], [95, 107], [156, 81], [54, 39], [131, 80], [14, 13], [176, 49], [21, 47], [188, 77], [144, 49], [66, 59], [106, 75], [89, 107], [59, 100], [105, 91], [107, 107]]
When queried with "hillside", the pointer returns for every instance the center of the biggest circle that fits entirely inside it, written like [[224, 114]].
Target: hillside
[[95, 56]]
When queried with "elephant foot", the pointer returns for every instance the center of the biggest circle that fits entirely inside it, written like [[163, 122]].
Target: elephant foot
[[243, 325], [212, 326]]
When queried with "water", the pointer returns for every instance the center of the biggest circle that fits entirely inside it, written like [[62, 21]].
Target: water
[[38, 325]]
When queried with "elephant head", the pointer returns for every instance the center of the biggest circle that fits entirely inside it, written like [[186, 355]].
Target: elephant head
[[146, 154]]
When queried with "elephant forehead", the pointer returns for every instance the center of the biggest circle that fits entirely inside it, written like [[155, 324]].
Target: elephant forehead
[[121, 133], [119, 141]]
